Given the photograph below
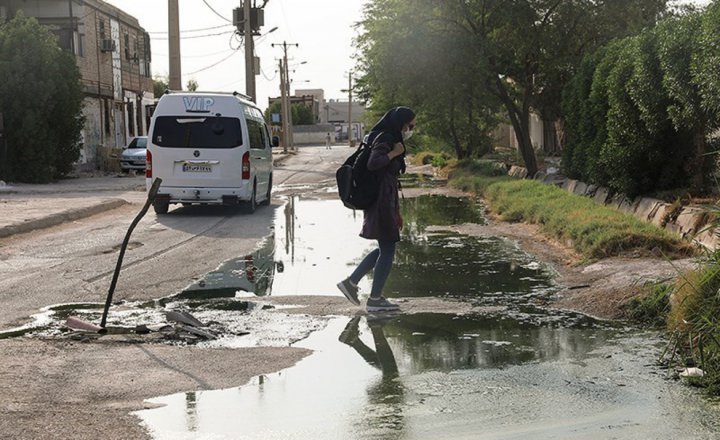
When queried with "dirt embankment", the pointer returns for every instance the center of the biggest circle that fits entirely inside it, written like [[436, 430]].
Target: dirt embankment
[[598, 289]]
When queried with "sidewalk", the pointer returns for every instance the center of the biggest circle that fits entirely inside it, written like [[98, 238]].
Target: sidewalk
[[26, 207]]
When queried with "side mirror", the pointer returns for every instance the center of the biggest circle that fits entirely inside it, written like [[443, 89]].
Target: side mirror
[[275, 141]]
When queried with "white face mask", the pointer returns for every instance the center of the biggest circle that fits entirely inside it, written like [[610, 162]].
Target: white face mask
[[407, 134]]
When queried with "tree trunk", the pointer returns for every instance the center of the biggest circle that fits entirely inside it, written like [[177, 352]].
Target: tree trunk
[[520, 120], [525, 145], [550, 138], [453, 133], [698, 167]]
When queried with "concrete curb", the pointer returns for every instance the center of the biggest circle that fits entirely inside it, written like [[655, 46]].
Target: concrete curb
[[61, 217], [279, 159]]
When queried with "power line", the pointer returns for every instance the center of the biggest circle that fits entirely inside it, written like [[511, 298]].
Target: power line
[[205, 55], [196, 36], [214, 64], [216, 12], [194, 30], [265, 74]]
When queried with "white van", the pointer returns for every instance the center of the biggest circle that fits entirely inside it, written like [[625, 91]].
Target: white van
[[209, 148]]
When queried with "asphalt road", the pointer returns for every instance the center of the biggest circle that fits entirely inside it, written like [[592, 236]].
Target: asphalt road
[[74, 262]]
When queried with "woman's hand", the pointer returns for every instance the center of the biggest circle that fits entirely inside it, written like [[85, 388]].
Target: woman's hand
[[398, 150]]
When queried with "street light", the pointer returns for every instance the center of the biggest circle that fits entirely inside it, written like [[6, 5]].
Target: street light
[[260, 38]]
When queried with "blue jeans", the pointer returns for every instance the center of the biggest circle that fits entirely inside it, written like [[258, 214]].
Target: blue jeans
[[381, 260]]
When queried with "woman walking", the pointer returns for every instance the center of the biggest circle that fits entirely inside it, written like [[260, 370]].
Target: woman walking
[[382, 220]]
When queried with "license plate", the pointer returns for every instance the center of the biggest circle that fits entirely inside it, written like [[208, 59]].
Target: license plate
[[187, 168]]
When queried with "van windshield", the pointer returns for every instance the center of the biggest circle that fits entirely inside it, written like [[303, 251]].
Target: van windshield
[[197, 132]]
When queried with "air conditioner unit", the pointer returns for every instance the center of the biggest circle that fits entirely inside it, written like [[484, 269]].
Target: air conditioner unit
[[107, 45]]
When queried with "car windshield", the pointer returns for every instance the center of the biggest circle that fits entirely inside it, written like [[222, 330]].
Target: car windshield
[[197, 132], [138, 143]]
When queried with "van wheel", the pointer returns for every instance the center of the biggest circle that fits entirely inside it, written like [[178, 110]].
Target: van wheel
[[268, 196], [161, 207], [250, 206]]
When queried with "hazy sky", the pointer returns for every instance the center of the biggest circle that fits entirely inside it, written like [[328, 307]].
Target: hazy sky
[[324, 29]]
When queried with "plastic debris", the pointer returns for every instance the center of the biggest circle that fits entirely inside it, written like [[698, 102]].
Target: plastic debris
[[184, 318], [692, 372]]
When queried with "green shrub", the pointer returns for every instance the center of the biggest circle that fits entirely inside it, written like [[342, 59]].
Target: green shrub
[[695, 321], [639, 111], [595, 231], [651, 306]]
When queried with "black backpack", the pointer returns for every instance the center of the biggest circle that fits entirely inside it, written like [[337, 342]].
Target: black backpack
[[358, 187]]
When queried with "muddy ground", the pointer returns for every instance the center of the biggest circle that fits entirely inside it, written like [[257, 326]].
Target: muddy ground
[[59, 389]]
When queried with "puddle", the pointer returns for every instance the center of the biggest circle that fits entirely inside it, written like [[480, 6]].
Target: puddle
[[313, 245], [443, 376]]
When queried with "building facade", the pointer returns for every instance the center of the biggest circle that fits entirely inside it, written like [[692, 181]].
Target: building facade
[[112, 52]]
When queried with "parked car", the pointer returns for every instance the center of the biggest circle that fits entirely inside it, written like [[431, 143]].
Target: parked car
[[134, 155], [209, 148]]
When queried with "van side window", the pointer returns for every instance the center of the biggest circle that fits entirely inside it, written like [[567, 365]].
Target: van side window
[[256, 132], [266, 133]]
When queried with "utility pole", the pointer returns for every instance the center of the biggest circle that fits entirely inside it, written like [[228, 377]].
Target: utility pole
[[350, 139], [283, 107], [175, 75], [3, 142], [249, 51], [285, 96]]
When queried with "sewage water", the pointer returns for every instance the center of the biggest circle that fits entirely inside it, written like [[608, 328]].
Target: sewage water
[[521, 373], [315, 244]]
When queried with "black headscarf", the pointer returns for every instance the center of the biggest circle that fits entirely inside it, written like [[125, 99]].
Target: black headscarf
[[390, 127]]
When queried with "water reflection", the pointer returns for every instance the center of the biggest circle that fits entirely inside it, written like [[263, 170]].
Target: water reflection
[[384, 409], [445, 342], [253, 273]]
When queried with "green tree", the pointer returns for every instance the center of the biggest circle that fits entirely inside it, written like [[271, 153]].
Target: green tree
[[300, 114], [41, 99], [643, 124], [160, 85], [518, 53], [424, 65], [192, 85], [678, 49]]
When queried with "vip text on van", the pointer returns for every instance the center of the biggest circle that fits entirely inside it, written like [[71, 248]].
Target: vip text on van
[[209, 148]]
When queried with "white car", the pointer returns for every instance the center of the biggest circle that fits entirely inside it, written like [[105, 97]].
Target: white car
[[133, 155], [209, 148]]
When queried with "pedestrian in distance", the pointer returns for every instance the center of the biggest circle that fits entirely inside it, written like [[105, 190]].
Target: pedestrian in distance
[[327, 142], [382, 220]]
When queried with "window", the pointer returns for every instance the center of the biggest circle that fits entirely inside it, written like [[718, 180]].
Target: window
[[79, 40], [146, 46], [138, 142], [205, 132], [257, 134], [107, 116], [131, 118], [101, 29], [127, 46]]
